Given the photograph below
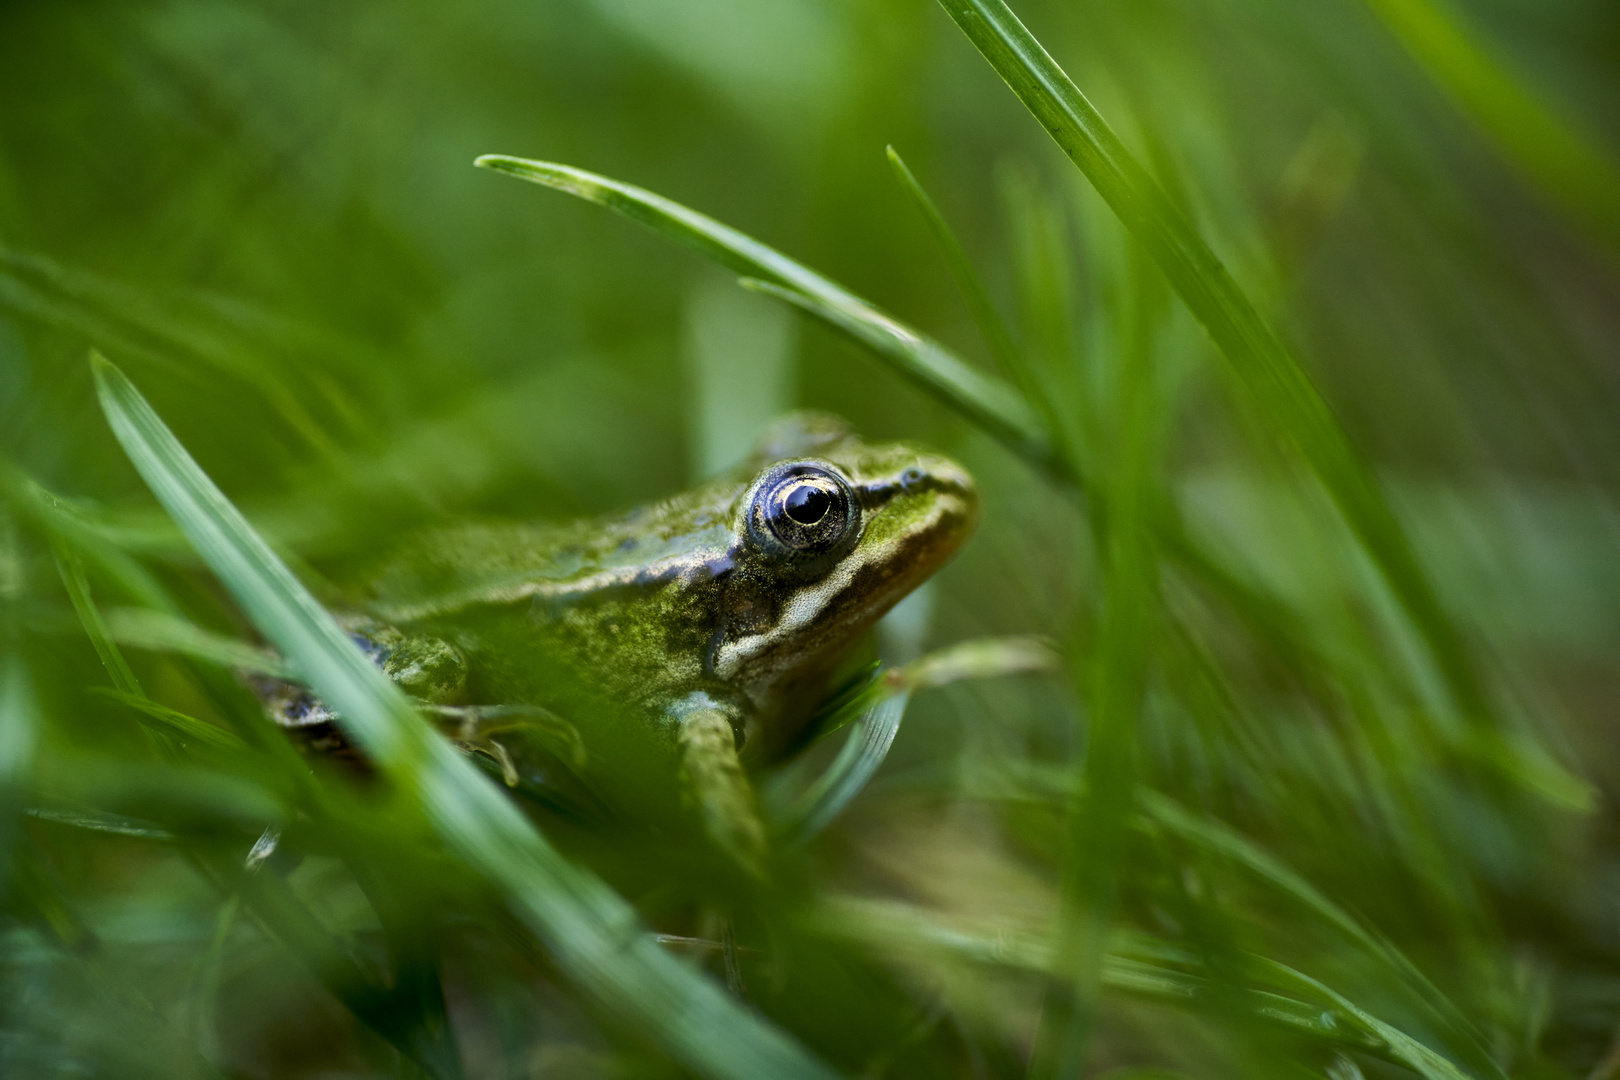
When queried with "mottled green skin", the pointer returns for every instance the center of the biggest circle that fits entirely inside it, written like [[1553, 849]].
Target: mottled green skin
[[543, 620], [666, 636]]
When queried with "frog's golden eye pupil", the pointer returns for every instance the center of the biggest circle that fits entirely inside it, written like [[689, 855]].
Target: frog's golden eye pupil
[[807, 504]]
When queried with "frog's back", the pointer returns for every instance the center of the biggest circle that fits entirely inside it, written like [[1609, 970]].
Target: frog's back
[[446, 570]]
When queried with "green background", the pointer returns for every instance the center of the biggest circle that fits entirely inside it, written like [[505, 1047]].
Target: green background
[[268, 217]]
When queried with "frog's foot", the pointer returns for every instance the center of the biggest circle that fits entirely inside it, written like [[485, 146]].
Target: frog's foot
[[714, 779]]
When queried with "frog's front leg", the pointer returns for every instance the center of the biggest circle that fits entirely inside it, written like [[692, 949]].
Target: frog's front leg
[[713, 779]]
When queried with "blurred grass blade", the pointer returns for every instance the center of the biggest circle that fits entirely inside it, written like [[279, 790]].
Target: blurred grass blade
[[178, 723], [593, 934], [866, 745], [68, 527], [1000, 339], [119, 316], [1307, 1008], [143, 628], [1113, 680], [78, 590], [1264, 366], [989, 401], [981, 658], [103, 822], [1571, 169], [1402, 1047], [1217, 837], [19, 731]]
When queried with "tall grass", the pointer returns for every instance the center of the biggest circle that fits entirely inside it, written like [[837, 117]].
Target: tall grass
[[1294, 440]]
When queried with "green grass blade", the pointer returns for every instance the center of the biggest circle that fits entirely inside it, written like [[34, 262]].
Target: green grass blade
[[178, 723], [158, 631], [78, 589], [1115, 680], [103, 822], [996, 333], [987, 400], [1308, 1009], [593, 934], [1217, 837], [1571, 169], [19, 731], [867, 744], [1400, 1046], [1262, 363]]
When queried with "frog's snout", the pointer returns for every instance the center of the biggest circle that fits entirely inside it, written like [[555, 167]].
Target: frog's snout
[[951, 491], [917, 515]]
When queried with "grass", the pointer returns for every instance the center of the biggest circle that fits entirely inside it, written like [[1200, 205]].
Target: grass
[[1271, 736]]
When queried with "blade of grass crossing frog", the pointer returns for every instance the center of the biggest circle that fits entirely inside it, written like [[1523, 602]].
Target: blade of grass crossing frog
[[1570, 168], [594, 935], [1263, 365], [864, 749], [989, 401]]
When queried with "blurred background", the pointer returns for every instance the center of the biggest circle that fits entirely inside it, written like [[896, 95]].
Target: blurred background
[[267, 215]]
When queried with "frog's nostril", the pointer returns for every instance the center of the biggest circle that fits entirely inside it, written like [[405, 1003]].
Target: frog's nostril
[[911, 478]]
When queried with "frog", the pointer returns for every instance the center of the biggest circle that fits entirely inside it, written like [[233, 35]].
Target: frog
[[676, 646]]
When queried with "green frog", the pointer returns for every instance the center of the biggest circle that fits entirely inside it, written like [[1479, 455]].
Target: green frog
[[675, 646]]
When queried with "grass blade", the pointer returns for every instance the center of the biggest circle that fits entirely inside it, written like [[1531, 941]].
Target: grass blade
[[1399, 1045], [78, 589], [1554, 154], [1000, 339], [987, 400], [1262, 363], [19, 727], [867, 745], [1307, 1008], [593, 934], [176, 723], [1228, 843], [158, 631], [1116, 676]]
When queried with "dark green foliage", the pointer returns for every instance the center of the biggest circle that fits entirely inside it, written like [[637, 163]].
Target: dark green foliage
[[1293, 413]]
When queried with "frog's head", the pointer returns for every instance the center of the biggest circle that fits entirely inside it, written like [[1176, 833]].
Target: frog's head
[[827, 541]]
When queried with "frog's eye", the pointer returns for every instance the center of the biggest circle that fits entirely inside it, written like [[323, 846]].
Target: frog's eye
[[803, 509]]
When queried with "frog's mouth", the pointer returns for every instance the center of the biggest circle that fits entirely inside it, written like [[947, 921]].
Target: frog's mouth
[[914, 520]]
